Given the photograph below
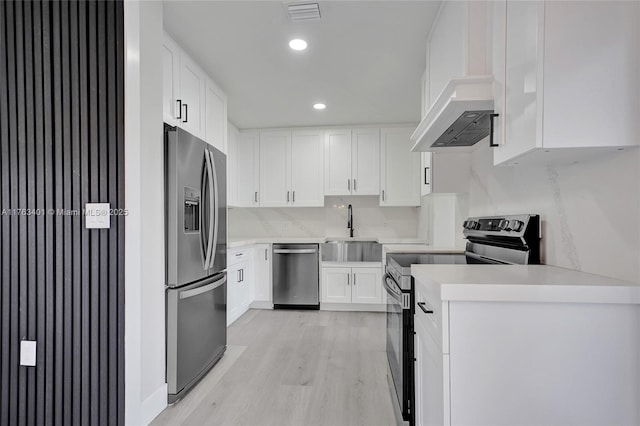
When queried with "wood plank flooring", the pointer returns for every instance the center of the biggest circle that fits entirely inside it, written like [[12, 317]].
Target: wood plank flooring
[[297, 368]]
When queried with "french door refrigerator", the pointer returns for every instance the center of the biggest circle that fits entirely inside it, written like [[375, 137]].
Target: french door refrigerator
[[196, 245]]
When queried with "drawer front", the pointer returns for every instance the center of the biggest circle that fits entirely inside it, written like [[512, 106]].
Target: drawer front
[[236, 256], [429, 316]]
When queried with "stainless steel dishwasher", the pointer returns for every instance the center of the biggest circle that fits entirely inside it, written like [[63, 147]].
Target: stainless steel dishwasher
[[295, 276]]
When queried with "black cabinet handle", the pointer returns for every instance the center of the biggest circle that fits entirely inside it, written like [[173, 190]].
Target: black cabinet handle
[[426, 169], [186, 113], [179, 101], [491, 117], [425, 310]]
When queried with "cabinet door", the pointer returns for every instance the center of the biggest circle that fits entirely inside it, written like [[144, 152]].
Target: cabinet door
[[522, 118], [170, 80], [262, 273], [192, 89], [336, 285], [399, 168], [233, 293], [274, 169], [365, 161], [428, 374], [425, 173], [366, 285], [215, 116], [248, 169], [307, 186], [337, 153]]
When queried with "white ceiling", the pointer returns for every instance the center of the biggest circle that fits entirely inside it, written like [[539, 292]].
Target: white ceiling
[[364, 59]]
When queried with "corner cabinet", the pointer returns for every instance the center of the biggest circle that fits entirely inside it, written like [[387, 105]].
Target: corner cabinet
[[244, 170], [351, 285], [399, 168], [191, 100], [352, 158], [291, 169], [566, 79]]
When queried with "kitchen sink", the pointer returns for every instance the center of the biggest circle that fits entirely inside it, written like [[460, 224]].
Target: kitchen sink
[[351, 251]]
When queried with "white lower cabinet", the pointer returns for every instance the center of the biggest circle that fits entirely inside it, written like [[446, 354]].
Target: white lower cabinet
[[351, 285], [239, 282], [262, 288]]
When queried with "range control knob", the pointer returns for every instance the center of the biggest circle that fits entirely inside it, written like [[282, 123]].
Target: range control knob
[[516, 225], [472, 224], [503, 225], [465, 224]]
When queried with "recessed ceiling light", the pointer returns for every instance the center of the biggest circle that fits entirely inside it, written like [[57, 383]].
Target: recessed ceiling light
[[319, 106], [298, 44]]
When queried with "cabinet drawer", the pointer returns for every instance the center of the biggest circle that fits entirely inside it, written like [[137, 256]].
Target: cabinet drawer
[[236, 256]]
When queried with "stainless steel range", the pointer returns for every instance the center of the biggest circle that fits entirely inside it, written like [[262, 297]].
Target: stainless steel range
[[506, 240]]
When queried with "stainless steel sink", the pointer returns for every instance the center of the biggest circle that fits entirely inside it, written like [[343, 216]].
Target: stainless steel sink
[[351, 251]]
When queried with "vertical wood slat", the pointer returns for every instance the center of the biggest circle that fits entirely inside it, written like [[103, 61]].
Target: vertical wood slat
[[61, 146]]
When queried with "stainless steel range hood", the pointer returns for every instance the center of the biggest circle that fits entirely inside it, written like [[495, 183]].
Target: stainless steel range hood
[[459, 118]]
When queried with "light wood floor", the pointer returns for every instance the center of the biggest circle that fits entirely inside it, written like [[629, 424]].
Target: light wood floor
[[294, 368]]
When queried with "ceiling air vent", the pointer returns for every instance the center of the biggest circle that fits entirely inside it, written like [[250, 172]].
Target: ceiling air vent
[[299, 12]]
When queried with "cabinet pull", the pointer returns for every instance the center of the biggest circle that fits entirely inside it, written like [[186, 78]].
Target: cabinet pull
[[426, 169], [239, 280], [348, 279], [348, 184], [293, 196], [265, 254], [491, 117], [355, 187], [383, 195], [354, 279], [425, 310], [179, 101], [186, 113], [287, 196], [255, 196]]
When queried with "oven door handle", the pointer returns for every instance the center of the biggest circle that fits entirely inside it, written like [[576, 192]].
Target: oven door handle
[[390, 291], [485, 259]]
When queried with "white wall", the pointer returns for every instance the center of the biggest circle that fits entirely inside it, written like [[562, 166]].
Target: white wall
[[145, 387], [590, 210], [370, 220]]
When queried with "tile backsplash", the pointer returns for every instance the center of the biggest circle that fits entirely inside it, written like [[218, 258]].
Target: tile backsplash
[[370, 220]]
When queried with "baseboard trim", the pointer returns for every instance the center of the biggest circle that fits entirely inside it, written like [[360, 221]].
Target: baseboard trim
[[353, 307], [154, 405], [261, 304]]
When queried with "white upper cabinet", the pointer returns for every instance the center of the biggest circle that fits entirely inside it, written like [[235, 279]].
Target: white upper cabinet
[[191, 100], [399, 168], [566, 76], [275, 174], [352, 162], [215, 116], [291, 166], [365, 161], [307, 168], [170, 80], [244, 156], [445, 172], [337, 173]]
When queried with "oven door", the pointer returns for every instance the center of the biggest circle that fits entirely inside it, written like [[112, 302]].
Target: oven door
[[395, 337]]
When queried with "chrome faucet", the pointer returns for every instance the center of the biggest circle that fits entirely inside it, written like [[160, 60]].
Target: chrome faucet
[[350, 220]]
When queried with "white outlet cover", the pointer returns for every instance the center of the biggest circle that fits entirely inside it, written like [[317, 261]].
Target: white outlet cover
[[97, 215], [28, 353]]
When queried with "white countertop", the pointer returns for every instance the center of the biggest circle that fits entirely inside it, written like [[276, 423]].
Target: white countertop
[[523, 283]]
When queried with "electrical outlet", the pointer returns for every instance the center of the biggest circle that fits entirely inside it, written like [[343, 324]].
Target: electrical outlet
[[28, 353]]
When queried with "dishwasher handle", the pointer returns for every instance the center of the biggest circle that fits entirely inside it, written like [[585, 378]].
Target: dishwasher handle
[[295, 251]]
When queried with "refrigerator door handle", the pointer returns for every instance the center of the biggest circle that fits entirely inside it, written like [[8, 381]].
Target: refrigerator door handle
[[205, 288], [208, 262], [214, 208], [204, 244]]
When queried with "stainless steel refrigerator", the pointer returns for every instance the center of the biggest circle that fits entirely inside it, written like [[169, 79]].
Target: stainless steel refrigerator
[[196, 245]]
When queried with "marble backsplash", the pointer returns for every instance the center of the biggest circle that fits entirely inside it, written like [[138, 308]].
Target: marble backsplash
[[370, 220], [590, 211]]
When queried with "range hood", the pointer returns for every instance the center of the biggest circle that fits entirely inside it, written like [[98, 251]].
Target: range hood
[[459, 118]]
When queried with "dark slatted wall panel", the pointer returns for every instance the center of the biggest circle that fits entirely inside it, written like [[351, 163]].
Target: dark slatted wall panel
[[62, 139]]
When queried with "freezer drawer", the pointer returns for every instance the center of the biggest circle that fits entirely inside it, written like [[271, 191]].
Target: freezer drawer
[[196, 332], [295, 276]]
